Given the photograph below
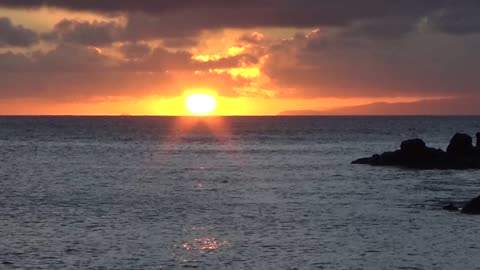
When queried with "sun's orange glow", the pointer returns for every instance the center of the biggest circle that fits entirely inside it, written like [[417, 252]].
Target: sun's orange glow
[[235, 50], [176, 106], [201, 103], [206, 58], [247, 73]]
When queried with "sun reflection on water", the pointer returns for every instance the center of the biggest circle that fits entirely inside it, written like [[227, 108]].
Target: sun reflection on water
[[204, 244]]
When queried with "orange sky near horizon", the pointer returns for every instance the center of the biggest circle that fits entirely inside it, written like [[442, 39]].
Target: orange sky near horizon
[[177, 107]]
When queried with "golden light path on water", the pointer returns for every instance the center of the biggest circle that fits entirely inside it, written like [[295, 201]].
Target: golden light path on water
[[204, 244], [200, 133]]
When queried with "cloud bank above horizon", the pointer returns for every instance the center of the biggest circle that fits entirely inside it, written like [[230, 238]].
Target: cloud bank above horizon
[[302, 49]]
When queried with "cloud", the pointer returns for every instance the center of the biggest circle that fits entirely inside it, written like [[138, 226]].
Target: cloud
[[72, 71], [359, 48], [135, 50], [94, 33], [330, 63], [384, 28], [171, 18], [15, 35], [252, 38], [179, 23], [273, 11], [179, 42], [457, 18], [11, 62], [138, 28]]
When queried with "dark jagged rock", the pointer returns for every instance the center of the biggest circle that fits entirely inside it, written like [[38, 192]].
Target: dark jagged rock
[[451, 207], [478, 140], [460, 144], [412, 146], [415, 154], [472, 207]]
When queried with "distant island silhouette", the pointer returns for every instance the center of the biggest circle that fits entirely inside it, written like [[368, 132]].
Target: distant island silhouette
[[414, 154], [422, 107]]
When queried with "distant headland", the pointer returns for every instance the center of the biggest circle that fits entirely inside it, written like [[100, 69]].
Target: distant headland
[[422, 107]]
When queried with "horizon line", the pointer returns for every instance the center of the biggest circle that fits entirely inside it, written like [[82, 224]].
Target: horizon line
[[239, 115]]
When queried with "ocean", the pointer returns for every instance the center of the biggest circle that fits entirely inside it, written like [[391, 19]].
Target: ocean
[[229, 193]]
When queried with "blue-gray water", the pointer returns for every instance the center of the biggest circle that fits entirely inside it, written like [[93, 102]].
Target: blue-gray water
[[229, 193]]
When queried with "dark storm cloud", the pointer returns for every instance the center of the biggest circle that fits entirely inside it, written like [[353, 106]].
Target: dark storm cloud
[[135, 50], [333, 64], [180, 42], [188, 17], [250, 13], [85, 33], [105, 33], [385, 28], [179, 23], [460, 17], [15, 35], [154, 6]]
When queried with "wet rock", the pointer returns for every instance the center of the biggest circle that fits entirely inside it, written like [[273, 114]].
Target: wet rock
[[478, 140], [472, 207], [450, 207], [411, 147], [460, 144], [416, 155]]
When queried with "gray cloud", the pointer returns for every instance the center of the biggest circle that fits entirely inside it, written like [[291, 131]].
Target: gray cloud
[[180, 42], [187, 17], [219, 13], [15, 35], [179, 23], [385, 28], [73, 71], [85, 33], [332, 64], [362, 49], [135, 50], [153, 6], [458, 18], [104, 33]]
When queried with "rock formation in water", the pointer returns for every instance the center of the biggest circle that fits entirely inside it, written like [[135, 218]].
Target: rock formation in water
[[460, 154], [478, 140], [451, 207], [472, 207]]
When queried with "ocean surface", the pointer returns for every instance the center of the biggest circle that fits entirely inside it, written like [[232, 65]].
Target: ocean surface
[[229, 193]]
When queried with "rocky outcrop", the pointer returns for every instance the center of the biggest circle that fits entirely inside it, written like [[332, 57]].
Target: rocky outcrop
[[472, 207], [478, 140], [460, 154], [451, 207], [460, 145]]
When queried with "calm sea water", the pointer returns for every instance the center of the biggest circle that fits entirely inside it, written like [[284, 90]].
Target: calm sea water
[[229, 193]]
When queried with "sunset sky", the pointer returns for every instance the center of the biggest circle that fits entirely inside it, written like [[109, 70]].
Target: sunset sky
[[257, 56]]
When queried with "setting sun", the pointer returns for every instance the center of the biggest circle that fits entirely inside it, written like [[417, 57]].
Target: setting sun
[[201, 104]]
